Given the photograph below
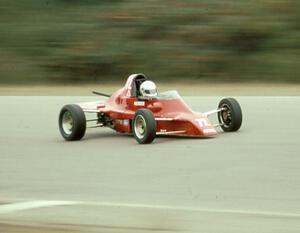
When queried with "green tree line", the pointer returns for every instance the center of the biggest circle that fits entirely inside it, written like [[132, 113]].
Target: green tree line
[[81, 41]]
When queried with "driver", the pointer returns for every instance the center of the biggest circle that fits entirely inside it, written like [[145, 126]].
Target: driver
[[148, 89]]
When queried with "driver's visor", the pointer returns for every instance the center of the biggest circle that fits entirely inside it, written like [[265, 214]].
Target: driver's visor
[[150, 91]]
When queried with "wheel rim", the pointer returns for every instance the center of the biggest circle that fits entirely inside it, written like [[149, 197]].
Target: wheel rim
[[226, 115], [140, 126], [67, 122]]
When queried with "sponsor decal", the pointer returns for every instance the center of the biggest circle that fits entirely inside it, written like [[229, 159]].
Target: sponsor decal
[[118, 121], [139, 103], [122, 122], [163, 130], [164, 119]]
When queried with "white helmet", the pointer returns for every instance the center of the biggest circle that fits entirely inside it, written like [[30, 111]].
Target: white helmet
[[148, 89]]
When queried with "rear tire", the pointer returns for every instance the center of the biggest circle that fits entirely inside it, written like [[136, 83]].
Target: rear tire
[[72, 122], [144, 126], [231, 117]]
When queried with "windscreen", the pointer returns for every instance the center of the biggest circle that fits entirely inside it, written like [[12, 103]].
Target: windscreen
[[168, 95]]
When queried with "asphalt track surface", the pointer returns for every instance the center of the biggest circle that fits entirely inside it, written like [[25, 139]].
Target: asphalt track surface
[[248, 181]]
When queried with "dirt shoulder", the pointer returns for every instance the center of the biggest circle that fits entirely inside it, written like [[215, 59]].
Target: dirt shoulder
[[187, 89]]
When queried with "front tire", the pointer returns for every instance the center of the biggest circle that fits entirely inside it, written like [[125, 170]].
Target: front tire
[[144, 126], [230, 118], [72, 122]]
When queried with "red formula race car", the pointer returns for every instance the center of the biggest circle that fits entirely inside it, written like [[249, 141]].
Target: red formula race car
[[127, 111]]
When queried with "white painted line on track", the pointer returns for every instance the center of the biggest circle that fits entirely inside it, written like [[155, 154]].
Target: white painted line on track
[[191, 209], [28, 205]]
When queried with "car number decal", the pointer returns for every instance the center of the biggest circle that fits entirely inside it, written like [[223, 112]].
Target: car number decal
[[203, 122]]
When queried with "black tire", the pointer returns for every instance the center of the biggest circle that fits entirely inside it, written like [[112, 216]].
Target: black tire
[[231, 117], [72, 122], [144, 126]]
